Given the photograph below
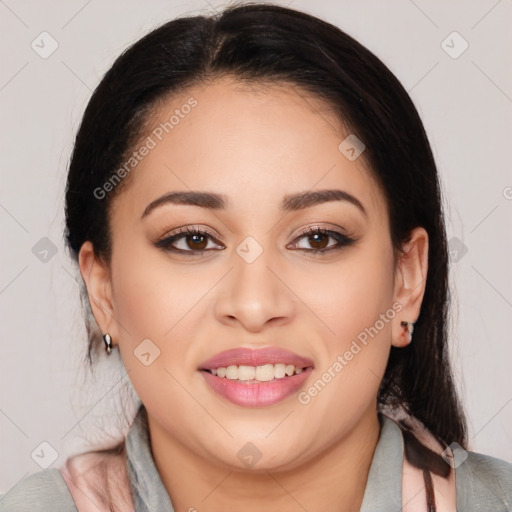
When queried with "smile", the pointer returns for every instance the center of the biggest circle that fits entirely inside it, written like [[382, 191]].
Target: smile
[[264, 373], [256, 378]]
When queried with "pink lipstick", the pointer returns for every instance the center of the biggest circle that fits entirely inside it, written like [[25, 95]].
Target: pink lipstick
[[256, 378]]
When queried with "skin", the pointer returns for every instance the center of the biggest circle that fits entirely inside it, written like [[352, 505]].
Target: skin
[[255, 145]]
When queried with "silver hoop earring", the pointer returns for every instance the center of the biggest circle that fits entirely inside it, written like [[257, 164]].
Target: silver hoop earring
[[409, 326], [108, 343]]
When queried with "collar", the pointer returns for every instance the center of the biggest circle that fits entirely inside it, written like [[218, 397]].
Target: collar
[[384, 485], [147, 489], [383, 488]]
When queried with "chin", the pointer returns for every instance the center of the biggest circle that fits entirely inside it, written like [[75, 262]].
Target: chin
[[259, 457]]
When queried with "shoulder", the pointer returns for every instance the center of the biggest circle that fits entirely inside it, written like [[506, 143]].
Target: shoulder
[[39, 492], [89, 482], [483, 482]]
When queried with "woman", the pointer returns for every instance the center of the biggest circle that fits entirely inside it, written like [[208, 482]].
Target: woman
[[255, 211]]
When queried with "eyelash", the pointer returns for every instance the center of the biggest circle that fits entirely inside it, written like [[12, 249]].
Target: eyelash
[[341, 239]]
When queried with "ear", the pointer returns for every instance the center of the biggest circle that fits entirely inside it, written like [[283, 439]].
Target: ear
[[96, 275], [410, 282]]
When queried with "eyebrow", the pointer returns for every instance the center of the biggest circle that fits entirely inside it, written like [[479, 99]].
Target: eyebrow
[[291, 202]]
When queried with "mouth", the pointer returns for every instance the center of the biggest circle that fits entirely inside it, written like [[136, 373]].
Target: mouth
[[256, 378], [263, 373]]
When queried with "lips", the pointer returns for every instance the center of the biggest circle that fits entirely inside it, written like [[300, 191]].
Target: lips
[[255, 393], [258, 357]]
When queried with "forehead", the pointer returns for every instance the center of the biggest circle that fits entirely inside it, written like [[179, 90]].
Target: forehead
[[251, 142]]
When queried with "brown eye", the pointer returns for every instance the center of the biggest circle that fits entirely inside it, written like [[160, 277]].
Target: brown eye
[[197, 242], [189, 240], [318, 240]]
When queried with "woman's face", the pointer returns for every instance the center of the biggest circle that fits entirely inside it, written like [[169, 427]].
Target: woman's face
[[249, 290]]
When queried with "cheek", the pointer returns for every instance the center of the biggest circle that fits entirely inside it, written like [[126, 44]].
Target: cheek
[[357, 306], [151, 294], [142, 298], [159, 300], [151, 301], [351, 294]]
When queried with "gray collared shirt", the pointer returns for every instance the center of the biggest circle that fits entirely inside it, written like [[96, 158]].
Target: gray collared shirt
[[483, 483]]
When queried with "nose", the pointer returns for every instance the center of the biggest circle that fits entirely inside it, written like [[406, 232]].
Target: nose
[[253, 295]]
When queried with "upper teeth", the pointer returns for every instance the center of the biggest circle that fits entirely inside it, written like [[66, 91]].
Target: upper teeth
[[261, 373]]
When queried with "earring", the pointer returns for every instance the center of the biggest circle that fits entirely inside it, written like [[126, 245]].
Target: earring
[[409, 326], [108, 343]]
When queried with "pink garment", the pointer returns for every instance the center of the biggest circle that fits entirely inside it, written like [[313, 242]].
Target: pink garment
[[86, 475]]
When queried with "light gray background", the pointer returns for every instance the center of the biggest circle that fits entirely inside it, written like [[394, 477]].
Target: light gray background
[[465, 103]]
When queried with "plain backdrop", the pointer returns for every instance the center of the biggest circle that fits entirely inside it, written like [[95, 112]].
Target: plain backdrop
[[464, 99]]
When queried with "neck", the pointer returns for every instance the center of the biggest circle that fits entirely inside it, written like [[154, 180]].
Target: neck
[[334, 480]]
